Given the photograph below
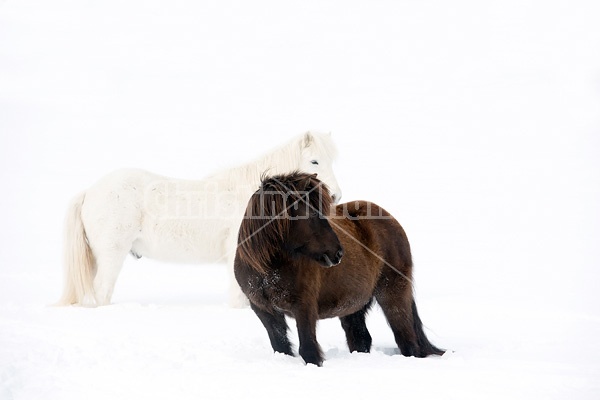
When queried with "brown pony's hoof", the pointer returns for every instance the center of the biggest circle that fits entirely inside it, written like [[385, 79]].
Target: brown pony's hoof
[[317, 363], [312, 356]]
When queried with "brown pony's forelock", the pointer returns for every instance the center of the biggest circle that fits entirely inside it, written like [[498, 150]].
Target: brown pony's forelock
[[266, 222]]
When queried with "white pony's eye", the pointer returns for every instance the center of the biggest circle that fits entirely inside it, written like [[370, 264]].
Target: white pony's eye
[[314, 162]]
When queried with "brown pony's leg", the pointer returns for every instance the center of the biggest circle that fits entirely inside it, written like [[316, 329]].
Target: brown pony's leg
[[425, 345], [306, 321], [357, 334], [396, 300], [394, 295], [277, 328], [399, 317]]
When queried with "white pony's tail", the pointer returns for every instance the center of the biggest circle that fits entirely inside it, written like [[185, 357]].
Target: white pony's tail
[[78, 258]]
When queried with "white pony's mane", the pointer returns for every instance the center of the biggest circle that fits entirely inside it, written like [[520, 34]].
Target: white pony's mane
[[282, 159]]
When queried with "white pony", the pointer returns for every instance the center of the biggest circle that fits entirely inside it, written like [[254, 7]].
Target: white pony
[[147, 215]]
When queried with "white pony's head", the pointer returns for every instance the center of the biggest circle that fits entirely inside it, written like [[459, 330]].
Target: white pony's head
[[317, 155]]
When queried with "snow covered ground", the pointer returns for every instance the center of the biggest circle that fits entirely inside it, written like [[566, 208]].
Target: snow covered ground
[[477, 125]]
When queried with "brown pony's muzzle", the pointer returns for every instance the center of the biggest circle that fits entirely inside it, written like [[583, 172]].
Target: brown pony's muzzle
[[328, 261]]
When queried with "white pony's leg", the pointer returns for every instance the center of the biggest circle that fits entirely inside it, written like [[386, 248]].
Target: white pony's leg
[[109, 264], [112, 216]]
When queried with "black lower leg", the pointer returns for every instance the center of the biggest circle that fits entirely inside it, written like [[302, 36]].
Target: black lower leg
[[425, 346], [309, 350], [277, 328], [399, 316], [357, 334], [409, 334]]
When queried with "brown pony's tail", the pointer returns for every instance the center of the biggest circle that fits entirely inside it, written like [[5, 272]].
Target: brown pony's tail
[[425, 346]]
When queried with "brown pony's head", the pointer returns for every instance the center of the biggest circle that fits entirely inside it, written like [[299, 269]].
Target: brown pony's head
[[287, 215]]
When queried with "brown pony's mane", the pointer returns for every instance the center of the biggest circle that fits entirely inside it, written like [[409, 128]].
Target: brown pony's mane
[[267, 220]]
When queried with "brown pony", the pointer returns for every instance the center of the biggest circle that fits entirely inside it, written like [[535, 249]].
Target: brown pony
[[298, 257]]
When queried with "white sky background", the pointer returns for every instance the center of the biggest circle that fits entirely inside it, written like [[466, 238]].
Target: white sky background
[[476, 124]]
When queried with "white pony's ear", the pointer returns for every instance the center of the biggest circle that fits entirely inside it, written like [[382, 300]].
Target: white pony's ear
[[307, 140]]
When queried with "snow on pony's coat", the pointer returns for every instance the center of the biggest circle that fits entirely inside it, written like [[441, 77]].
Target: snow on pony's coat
[[148, 215]]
